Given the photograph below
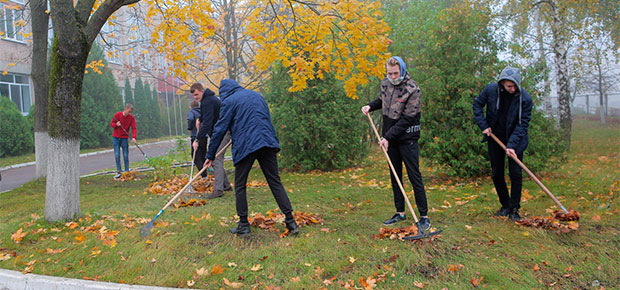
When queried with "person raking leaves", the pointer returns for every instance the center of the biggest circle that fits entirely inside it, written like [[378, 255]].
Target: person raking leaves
[[121, 122], [246, 114]]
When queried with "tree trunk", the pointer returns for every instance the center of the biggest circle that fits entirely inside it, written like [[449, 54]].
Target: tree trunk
[[40, 81], [563, 86], [62, 197]]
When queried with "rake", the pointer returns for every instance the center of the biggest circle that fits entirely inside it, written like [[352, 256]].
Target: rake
[[542, 186], [422, 234], [146, 229]]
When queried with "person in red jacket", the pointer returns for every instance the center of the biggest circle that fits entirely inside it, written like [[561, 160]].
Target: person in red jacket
[[121, 122]]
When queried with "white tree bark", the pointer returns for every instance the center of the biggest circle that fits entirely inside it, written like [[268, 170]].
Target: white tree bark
[[41, 145], [62, 198], [559, 46]]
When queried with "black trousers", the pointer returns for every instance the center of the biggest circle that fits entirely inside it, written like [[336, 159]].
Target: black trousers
[[268, 161], [407, 152], [201, 155], [497, 156]]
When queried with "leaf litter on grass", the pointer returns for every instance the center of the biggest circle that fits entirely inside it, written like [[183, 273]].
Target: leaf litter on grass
[[269, 220], [560, 221]]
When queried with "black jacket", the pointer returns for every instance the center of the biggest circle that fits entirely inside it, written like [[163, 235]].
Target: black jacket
[[209, 113], [401, 106], [517, 121]]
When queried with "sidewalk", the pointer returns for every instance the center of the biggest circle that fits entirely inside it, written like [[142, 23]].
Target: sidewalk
[[14, 280], [15, 175]]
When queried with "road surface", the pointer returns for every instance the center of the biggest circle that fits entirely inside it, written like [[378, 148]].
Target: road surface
[[15, 177]]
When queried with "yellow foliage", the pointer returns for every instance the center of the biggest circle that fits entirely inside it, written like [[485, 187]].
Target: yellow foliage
[[347, 38]]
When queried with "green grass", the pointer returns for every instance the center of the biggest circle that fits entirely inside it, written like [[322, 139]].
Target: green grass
[[508, 256], [11, 160]]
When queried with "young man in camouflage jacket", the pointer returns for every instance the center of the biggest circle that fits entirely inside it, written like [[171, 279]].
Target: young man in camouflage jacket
[[400, 102]]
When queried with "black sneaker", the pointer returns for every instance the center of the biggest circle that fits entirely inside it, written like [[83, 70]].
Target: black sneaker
[[242, 229], [514, 215], [292, 227], [394, 219], [424, 223], [118, 175], [502, 212]]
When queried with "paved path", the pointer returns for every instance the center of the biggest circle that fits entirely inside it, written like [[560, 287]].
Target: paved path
[[15, 176]]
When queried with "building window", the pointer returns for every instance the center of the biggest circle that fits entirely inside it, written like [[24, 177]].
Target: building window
[[12, 23], [17, 88]]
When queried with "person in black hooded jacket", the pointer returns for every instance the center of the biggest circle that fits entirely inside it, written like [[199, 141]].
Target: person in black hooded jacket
[[400, 102], [508, 114]]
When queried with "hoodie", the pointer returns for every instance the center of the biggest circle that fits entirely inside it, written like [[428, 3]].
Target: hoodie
[[246, 114], [401, 107], [519, 112]]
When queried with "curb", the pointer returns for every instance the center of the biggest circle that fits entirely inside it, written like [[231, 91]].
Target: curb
[[81, 155], [15, 280]]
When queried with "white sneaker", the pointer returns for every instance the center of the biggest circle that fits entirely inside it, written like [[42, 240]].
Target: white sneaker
[[118, 175]]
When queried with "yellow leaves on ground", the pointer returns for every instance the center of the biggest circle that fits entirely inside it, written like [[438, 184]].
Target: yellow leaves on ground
[[234, 285], [18, 236], [217, 269], [396, 233], [476, 281], [269, 221], [256, 268], [455, 268], [128, 175], [559, 221]]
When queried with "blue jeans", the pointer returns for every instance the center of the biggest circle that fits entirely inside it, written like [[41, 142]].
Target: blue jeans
[[118, 144]]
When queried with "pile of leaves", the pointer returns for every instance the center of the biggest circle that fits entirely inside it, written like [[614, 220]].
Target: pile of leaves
[[396, 233], [190, 202], [560, 221], [270, 219], [173, 185], [128, 175]]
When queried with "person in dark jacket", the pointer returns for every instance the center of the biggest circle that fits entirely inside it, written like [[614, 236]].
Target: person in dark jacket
[[209, 113], [192, 117], [246, 115], [400, 101], [508, 114]]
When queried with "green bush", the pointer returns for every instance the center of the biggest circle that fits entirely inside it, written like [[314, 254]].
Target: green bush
[[319, 127], [15, 129]]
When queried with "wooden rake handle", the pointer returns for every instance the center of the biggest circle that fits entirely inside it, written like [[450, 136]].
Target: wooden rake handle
[[400, 184], [530, 173], [195, 176]]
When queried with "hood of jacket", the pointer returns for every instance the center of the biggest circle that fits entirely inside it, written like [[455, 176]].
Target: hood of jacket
[[514, 75], [403, 66], [228, 87], [511, 74]]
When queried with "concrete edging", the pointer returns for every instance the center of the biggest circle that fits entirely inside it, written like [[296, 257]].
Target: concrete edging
[[15, 280]]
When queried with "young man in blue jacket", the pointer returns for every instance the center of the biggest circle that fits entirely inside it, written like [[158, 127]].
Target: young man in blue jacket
[[209, 113], [246, 115], [508, 114], [400, 101]]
